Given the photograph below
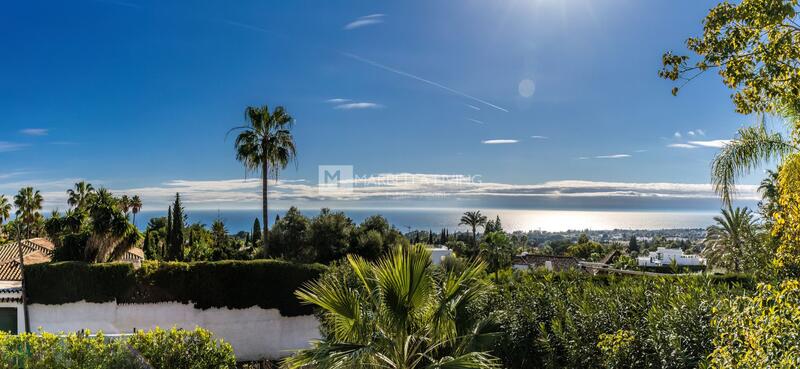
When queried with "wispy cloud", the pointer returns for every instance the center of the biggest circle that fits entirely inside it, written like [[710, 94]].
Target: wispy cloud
[[358, 105], [365, 21], [475, 120], [473, 107], [337, 101], [34, 131], [677, 135], [6, 146], [640, 151], [423, 80], [499, 141], [700, 132], [717, 144], [713, 143], [681, 146], [540, 137], [614, 156]]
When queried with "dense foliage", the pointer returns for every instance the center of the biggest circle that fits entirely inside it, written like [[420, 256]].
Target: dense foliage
[[330, 236], [269, 284], [759, 331], [157, 349], [576, 320]]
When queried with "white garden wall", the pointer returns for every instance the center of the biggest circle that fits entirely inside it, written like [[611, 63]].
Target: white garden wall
[[254, 333]]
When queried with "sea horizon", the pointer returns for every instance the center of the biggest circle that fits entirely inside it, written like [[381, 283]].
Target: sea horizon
[[406, 219]]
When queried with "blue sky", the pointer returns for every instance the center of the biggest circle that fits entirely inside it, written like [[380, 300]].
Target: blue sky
[[537, 98]]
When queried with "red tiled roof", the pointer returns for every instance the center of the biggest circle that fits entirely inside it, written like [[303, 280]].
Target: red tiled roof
[[39, 250]]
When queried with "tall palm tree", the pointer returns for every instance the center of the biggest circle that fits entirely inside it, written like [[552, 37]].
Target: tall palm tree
[[111, 233], [28, 202], [136, 206], [5, 212], [266, 145], [80, 195], [752, 147], [727, 241], [473, 219], [769, 190], [124, 203], [399, 315]]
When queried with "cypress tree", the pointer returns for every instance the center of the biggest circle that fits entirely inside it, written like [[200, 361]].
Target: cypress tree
[[176, 230], [633, 245], [165, 251], [256, 232]]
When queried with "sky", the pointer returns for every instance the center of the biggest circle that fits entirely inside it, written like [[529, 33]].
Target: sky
[[505, 103]]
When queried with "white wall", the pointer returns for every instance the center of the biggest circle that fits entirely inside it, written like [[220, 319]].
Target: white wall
[[254, 333]]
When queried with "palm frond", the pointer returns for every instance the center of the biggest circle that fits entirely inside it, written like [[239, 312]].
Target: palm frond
[[752, 147]]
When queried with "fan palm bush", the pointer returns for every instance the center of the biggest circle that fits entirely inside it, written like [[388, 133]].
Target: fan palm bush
[[728, 242], [400, 313]]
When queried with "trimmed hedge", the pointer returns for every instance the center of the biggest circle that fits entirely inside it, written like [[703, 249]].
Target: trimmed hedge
[[269, 284]]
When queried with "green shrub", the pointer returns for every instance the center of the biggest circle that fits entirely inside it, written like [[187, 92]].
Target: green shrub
[[760, 331], [182, 349], [158, 349], [573, 320], [269, 284], [48, 351]]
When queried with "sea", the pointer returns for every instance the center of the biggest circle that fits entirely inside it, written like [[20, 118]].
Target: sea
[[407, 219]]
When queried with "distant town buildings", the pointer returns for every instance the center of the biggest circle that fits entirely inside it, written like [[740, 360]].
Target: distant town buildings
[[666, 257]]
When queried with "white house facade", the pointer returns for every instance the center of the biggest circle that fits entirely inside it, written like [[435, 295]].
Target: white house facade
[[666, 257]]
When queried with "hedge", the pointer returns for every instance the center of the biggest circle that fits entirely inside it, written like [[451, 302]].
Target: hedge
[[269, 284]]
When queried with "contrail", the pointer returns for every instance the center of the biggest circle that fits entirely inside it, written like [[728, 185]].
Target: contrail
[[432, 83]]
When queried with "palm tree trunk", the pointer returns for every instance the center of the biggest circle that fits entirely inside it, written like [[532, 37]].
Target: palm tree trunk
[[264, 233], [474, 236]]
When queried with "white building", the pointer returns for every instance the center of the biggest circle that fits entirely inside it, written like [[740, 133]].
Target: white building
[[665, 257], [439, 253]]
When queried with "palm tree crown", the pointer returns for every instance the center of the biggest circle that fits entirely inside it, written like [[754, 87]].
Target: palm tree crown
[[5, 209], [79, 196], [399, 314], [28, 202], [727, 241], [473, 219], [136, 206], [266, 145]]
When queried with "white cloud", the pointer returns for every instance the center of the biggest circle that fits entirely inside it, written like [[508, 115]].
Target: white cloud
[[358, 105], [700, 132], [34, 131], [6, 146], [473, 107], [690, 133], [640, 151], [677, 135], [337, 101], [499, 141], [240, 193], [713, 143], [615, 156], [682, 146], [475, 121], [540, 137], [365, 21]]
